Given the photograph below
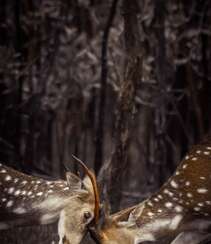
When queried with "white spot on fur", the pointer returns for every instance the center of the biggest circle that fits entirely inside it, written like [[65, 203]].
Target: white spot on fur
[[194, 158], [206, 153], [17, 193], [11, 190], [8, 178], [200, 204], [169, 204], [202, 190], [174, 184], [160, 196], [19, 210], [202, 178], [39, 193], [197, 209], [178, 209], [16, 180], [184, 166], [160, 210], [198, 151], [208, 202], [4, 199], [208, 148], [175, 199], [187, 183], [9, 204], [166, 191], [150, 214], [187, 157], [190, 195], [29, 193], [3, 171]]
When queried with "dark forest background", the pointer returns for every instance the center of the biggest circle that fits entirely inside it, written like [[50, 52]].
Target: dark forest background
[[123, 85]]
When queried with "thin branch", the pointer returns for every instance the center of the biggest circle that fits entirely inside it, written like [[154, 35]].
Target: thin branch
[[104, 71]]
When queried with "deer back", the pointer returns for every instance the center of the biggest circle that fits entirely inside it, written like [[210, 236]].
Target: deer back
[[182, 204]]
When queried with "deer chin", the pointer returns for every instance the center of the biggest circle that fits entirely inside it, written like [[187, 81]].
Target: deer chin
[[73, 235]]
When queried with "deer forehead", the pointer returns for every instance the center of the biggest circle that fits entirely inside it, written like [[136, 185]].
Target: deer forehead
[[77, 209]]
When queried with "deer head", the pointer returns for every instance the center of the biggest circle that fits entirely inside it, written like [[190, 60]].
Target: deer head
[[85, 208], [182, 205], [27, 200]]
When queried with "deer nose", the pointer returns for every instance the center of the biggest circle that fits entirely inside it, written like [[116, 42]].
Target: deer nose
[[65, 241]]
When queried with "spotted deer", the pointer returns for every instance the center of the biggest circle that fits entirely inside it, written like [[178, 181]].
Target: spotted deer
[[28, 200], [180, 209]]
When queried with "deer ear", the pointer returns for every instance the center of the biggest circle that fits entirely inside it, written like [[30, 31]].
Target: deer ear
[[136, 212], [73, 181], [123, 215], [87, 184]]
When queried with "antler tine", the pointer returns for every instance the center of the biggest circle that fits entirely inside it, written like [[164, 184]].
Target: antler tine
[[95, 187]]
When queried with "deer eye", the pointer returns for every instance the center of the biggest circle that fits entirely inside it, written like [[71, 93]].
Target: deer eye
[[87, 215]]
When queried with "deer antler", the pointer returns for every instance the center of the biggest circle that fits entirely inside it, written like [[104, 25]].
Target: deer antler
[[95, 187]]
